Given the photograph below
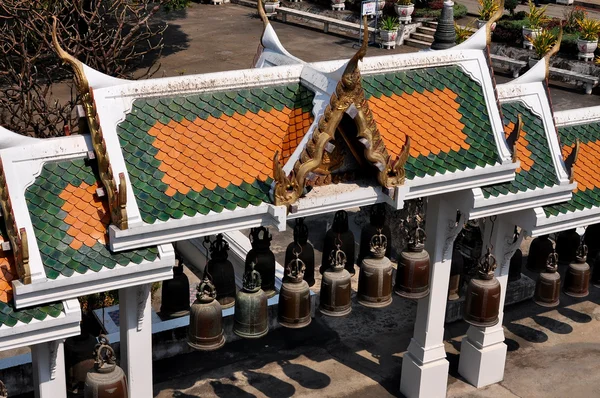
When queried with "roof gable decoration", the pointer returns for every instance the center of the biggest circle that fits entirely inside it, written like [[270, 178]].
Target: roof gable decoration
[[17, 237], [541, 70], [117, 195], [482, 38], [348, 93]]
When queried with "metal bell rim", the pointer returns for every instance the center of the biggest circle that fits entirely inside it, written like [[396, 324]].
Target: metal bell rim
[[577, 295], [251, 336], [380, 304], [482, 324], [295, 325], [547, 305], [335, 313], [211, 347], [412, 296]]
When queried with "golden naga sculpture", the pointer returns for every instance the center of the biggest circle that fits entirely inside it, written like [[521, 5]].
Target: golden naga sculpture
[[492, 21], [553, 51], [17, 237], [117, 198], [348, 92]]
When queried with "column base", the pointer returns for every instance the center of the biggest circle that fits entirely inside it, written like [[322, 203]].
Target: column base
[[428, 380], [482, 366]]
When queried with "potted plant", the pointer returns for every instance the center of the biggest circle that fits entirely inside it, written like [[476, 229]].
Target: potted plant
[[587, 42], [388, 31], [338, 5], [536, 18], [487, 8], [541, 43], [404, 9], [271, 7]]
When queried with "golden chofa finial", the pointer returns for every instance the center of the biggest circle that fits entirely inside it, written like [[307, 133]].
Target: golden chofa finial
[[81, 82], [554, 50], [360, 54], [262, 14], [489, 26]]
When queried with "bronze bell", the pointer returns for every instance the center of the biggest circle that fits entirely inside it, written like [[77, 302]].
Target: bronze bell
[[577, 277], [567, 244], [307, 252], [547, 288], [263, 258], [456, 270], [375, 277], [205, 332], [294, 296], [106, 380], [412, 275], [483, 294], [3, 392], [251, 318], [541, 247], [376, 223], [221, 271], [339, 233], [78, 361], [336, 289], [175, 293]]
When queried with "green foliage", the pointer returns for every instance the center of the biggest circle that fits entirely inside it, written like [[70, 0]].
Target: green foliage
[[511, 5], [462, 32], [389, 23], [536, 16], [542, 43], [171, 5], [404, 2], [487, 8], [572, 16], [459, 12], [588, 29]]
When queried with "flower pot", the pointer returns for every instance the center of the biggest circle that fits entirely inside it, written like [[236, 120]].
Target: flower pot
[[586, 49], [480, 23], [388, 36], [271, 7], [404, 12], [338, 4], [530, 32], [532, 61]]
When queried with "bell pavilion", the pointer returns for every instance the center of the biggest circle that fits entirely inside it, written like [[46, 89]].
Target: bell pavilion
[[174, 159]]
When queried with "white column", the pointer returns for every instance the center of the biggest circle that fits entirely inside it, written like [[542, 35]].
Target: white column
[[424, 366], [135, 325], [48, 361], [483, 351]]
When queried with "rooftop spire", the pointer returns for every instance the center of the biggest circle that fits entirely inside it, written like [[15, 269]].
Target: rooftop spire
[[445, 35]]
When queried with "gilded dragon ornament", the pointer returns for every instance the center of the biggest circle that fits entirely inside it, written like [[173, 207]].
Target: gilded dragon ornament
[[117, 196], [348, 92]]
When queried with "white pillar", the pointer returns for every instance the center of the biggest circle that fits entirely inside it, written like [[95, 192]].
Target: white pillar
[[424, 366], [48, 360], [483, 351], [135, 325]]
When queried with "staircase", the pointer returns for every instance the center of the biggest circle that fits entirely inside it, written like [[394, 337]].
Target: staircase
[[423, 37]]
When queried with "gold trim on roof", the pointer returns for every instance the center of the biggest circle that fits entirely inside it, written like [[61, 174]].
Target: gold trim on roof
[[348, 92], [493, 19], [554, 50], [571, 160], [515, 135], [17, 237], [117, 198]]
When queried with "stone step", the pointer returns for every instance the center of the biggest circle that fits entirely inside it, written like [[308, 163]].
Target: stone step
[[426, 30], [430, 24], [422, 37], [417, 43]]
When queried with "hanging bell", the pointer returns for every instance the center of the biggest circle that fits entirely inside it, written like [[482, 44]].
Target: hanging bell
[[577, 277], [376, 223], [3, 392], [483, 294], [106, 380], [307, 252], [205, 332], [567, 244], [516, 263], [263, 258], [251, 318], [375, 277], [591, 238], [541, 247], [412, 275], [78, 361], [294, 296], [175, 293], [339, 232], [222, 273], [547, 288], [456, 270], [336, 289]]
